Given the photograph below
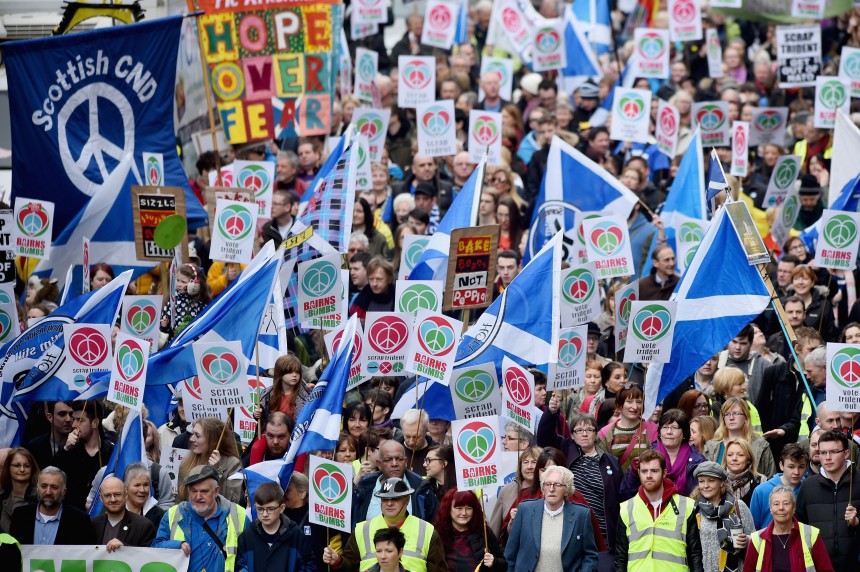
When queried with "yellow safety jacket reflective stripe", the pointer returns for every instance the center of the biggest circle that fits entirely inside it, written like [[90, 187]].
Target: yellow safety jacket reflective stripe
[[657, 544], [805, 414], [417, 532], [808, 537], [235, 525]]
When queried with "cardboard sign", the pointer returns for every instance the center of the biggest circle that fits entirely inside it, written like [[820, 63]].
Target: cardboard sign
[[363, 172], [415, 295], [212, 194], [751, 241], [386, 336], [843, 377], [549, 51], [233, 233], [849, 68], [652, 327], [807, 9], [689, 233], [740, 148], [373, 124], [221, 369], [782, 179], [150, 206], [34, 223], [652, 53], [475, 391], [85, 268], [320, 291], [332, 341], [608, 244], [360, 30], [666, 134], [831, 96], [624, 297], [244, 424], [580, 299], [518, 396], [259, 178], [153, 169], [504, 68], [712, 118], [799, 55], [715, 53], [413, 248], [437, 129], [578, 254], [440, 24], [128, 371], [767, 125], [786, 215], [88, 349], [433, 346], [7, 252], [471, 268], [171, 460], [330, 494], [366, 68], [140, 317], [416, 80], [631, 115], [196, 405], [685, 20], [485, 133], [837, 244], [9, 321], [570, 371], [477, 446]]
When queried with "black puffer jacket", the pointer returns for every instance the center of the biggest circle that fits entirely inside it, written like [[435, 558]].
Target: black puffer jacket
[[821, 503]]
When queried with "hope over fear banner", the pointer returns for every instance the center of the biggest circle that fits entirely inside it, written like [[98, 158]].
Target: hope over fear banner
[[273, 68]]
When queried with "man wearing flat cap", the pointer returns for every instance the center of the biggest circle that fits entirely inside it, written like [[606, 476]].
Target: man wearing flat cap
[[423, 550], [206, 526]]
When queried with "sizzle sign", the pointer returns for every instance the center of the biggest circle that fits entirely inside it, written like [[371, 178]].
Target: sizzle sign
[[477, 447], [386, 335]]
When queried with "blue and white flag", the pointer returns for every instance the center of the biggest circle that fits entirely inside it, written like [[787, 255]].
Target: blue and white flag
[[131, 448], [523, 322], [461, 36], [717, 296], [594, 15], [29, 363], [716, 176], [849, 198], [581, 60], [685, 201], [433, 264], [80, 103], [256, 475], [319, 422], [573, 184], [434, 398]]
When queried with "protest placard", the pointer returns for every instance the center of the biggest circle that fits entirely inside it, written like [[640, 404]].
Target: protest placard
[[153, 169], [485, 134], [330, 493], [838, 240], [259, 178], [843, 377], [712, 119], [798, 54], [624, 297], [475, 391], [666, 134], [413, 247], [366, 65], [570, 371], [234, 232], [767, 125], [440, 24], [88, 349], [320, 289], [150, 206], [128, 371], [652, 53], [782, 179], [221, 369], [518, 396], [432, 346], [34, 223], [580, 299], [685, 20], [549, 51], [437, 132], [831, 96], [471, 268], [631, 115], [740, 148], [373, 123], [477, 447], [608, 244], [386, 335], [652, 327], [414, 295], [416, 80]]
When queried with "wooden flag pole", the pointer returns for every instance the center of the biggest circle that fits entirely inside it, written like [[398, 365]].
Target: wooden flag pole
[[194, 7]]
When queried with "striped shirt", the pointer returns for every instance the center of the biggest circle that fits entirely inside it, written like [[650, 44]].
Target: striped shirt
[[589, 481]]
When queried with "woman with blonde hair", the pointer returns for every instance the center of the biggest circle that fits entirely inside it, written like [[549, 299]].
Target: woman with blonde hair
[[509, 493], [702, 429], [740, 464], [503, 180], [732, 382], [213, 445], [735, 424]]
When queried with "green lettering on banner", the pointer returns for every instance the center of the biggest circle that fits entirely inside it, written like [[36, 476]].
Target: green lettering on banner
[[110, 566], [157, 567], [779, 11], [65, 566]]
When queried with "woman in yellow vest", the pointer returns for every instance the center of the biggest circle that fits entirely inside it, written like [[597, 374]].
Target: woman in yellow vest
[[786, 545]]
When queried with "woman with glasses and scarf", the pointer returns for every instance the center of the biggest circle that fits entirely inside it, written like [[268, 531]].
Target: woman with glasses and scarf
[[725, 522]]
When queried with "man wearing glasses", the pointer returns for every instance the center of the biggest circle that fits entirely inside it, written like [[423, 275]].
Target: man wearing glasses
[[823, 501]]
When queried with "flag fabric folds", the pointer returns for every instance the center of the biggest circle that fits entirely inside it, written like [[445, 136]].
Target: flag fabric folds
[[846, 147], [716, 177], [717, 296], [582, 62], [594, 15]]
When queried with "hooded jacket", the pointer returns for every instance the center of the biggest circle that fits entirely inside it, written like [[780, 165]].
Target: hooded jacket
[[289, 551]]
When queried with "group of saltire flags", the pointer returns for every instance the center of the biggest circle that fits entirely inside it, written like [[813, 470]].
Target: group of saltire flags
[[719, 292]]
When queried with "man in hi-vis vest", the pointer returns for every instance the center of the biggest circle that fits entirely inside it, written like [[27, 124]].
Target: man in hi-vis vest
[[657, 529], [423, 550], [206, 526]]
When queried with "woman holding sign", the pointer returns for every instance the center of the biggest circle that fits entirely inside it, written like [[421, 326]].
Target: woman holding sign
[[469, 545]]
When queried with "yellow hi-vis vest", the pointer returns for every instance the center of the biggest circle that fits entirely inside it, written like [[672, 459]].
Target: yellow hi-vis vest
[[657, 544], [417, 532], [808, 537], [235, 524], [805, 414]]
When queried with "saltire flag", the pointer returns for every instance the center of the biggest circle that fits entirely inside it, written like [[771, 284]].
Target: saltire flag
[[716, 177], [594, 15], [463, 213], [686, 198], [330, 163], [523, 322], [79, 103], [319, 422], [434, 398], [582, 62], [256, 475], [846, 148], [130, 448], [719, 294], [272, 338], [29, 363], [233, 316], [461, 36], [572, 184]]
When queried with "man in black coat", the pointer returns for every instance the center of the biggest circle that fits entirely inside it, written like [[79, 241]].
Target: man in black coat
[[117, 527], [50, 522]]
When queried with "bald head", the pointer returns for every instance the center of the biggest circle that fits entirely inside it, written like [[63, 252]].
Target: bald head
[[827, 419], [392, 459], [113, 496]]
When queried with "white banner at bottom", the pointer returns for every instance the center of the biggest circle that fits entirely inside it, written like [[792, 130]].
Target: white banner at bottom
[[87, 558]]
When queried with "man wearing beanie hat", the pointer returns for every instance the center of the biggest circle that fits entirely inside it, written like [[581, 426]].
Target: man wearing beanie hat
[[423, 550], [811, 206], [587, 99]]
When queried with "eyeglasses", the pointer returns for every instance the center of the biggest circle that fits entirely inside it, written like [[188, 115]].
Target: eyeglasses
[[428, 460], [267, 509], [670, 428], [733, 414], [498, 180], [702, 406], [830, 453], [584, 430], [552, 486]]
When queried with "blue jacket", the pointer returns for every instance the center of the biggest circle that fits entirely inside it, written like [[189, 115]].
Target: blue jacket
[[289, 551], [578, 546], [760, 501]]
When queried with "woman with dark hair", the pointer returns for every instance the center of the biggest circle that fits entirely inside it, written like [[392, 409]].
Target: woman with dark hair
[[100, 274], [681, 458], [363, 221], [441, 475], [819, 312], [548, 457], [346, 450], [629, 434], [368, 453], [695, 403], [850, 334], [288, 393], [510, 224], [356, 419], [612, 378], [459, 524], [525, 476], [380, 403], [17, 483]]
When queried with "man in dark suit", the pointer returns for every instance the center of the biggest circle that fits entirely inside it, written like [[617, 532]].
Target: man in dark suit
[[568, 525], [50, 522], [117, 527]]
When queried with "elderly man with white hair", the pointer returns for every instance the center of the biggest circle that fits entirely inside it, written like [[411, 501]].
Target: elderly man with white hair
[[415, 425], [541, 526]]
